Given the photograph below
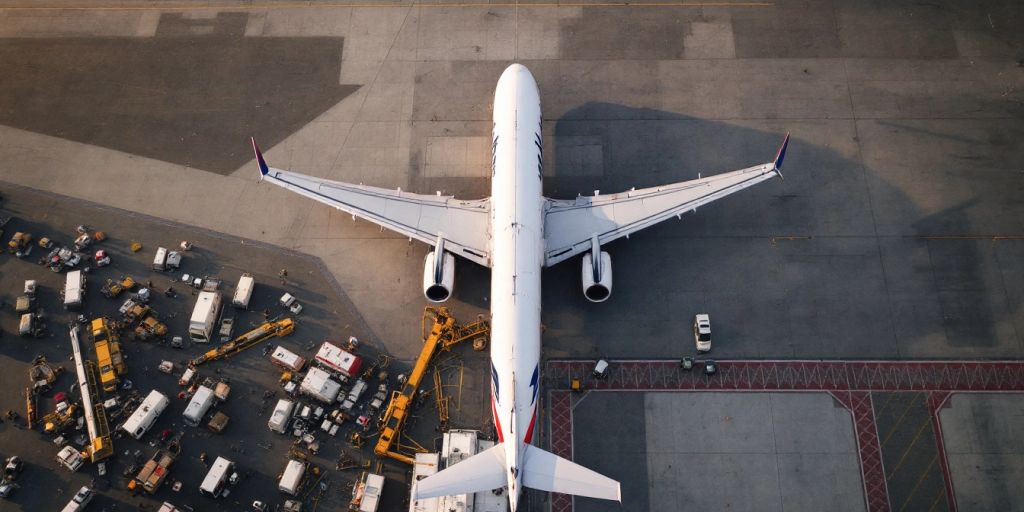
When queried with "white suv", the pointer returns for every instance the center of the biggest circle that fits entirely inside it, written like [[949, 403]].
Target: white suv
[[702, 332]]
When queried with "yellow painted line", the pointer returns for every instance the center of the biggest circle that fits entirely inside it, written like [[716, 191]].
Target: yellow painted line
[[304, 5], [899, 421], [924, 474], [909, 447]]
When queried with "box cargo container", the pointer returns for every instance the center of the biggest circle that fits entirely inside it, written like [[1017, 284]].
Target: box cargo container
[[146, 415], [334, 358], [287, 359]]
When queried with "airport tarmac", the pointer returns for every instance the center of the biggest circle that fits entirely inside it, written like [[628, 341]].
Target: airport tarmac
[[898, 232]]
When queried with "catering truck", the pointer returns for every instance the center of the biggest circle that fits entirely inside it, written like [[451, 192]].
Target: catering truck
[[333, 358], [204, 317], [199, 406], [146, 415], [243, 292]]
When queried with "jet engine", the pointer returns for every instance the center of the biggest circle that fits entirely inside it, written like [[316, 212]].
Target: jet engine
[[438, 276], [597, 274]]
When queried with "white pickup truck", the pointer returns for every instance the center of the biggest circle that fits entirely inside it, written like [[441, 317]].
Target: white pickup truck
[[80, 500]]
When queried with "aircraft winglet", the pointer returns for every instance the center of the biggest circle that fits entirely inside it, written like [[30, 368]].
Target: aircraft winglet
[[781, 155], [264, 169]]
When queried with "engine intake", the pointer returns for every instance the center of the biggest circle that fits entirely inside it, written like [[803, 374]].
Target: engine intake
[[597, 279], [438, 276]]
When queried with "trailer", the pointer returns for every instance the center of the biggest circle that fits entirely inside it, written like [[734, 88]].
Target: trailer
[[156, 469], [319, 385], [291, 479], [218, 423], [281, 416], [217, 478], [287, 359], [243, 292], [160, 260], [74, 290], [199, 406], [335, 359], [146, 414], [204, 317]]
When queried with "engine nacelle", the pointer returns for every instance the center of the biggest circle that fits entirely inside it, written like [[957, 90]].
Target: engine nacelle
[[597, 279], [438, 280]]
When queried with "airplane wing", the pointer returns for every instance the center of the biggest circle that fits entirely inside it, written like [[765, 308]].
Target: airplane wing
[[462, 224], [570, 225]]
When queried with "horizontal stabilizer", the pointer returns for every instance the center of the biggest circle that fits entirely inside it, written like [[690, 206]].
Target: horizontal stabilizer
[[481, 472], [546, 471]]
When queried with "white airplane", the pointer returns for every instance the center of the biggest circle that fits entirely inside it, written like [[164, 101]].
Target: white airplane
[[517, 232]]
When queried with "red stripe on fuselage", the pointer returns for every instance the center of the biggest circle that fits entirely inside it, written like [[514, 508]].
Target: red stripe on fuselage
[[529, 430], [497, 424]]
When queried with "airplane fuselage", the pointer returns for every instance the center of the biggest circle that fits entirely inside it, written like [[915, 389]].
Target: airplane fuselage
[[517, 238]]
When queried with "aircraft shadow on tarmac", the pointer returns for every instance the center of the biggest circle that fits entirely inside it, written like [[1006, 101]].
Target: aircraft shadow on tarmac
[[844, 291], [186, 96]]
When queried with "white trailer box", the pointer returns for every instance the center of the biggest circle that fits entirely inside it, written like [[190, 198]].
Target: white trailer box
[[160, 260], [145, 416], [292, 477], [74, 290], [287, 359], [204, 317], [243, 292], [282, 414], [217, 478], [334, 358], [199, 406], [319, 385]]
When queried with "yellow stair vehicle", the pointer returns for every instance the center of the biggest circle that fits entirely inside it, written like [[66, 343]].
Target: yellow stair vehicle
[[262, 333], [108, 354]]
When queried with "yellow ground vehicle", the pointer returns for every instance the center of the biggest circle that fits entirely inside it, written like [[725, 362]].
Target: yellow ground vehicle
[[262, 333], [108, 354], [20, 244]]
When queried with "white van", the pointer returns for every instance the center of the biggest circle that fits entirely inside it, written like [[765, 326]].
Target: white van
[[243, 292], [160, 260], [199, 406], [279, 418], [74, 290], [145, 416], [80, 500], [292, 477], [217, 478]]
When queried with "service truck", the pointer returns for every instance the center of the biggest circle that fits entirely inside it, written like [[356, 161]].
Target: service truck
[[155, 470], [79, 501], [199, 406], [204, 317], [318, 384], [335, 359], [243, 292], [366, 493], [160, 260], [282, 414], [108, 354], [146, 414], [291, 479], [74, 290]]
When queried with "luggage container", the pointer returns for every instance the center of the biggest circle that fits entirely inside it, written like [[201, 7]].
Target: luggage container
[[204, 317], [319, 385]]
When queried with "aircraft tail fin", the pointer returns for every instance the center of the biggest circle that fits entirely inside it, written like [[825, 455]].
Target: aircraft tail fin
[[546, 471], [481, 472], [264, 169], [780, 156]]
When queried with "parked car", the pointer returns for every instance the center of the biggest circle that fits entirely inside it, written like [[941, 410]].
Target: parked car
[[702, 332]]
